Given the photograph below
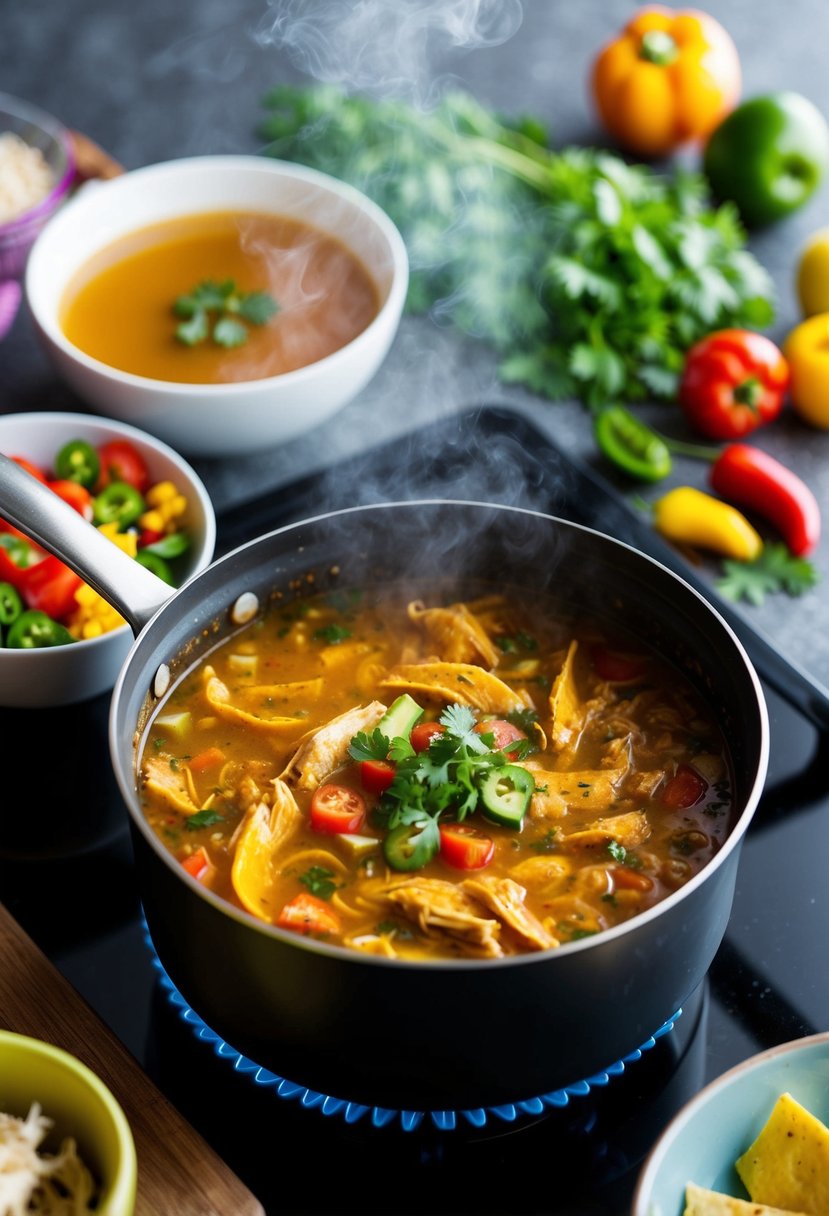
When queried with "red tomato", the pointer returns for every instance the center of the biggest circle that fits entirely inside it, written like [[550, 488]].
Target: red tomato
[[49, 587], [465, 847], [504, 732], [75, 494], [197, 864], [148, 536], [685, 788], [734, 381], [29, 467], [120, 461], [617, 666], [376, 775], [337, 808], [423, 734], [307, 914]]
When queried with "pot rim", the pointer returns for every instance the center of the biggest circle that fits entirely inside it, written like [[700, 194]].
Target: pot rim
[[606, 937]]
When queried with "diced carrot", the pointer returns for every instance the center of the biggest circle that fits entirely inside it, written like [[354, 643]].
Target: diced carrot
[[209, 758], [197, 864], [307, 914], [630, 880]]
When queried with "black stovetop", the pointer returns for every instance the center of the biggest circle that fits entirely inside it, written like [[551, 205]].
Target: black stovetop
[[66, 875]]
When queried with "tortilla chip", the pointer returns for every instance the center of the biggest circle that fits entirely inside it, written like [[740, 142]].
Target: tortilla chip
[[788, 1163], [700, 1202]]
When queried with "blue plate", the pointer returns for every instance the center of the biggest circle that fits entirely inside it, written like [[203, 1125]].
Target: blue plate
[[702, 1142]]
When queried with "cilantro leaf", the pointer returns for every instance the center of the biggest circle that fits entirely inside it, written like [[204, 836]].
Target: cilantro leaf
[[319, 881], [225, 305], [194, 331], [775, 569], [203, 819], [365, 746], [229, 333], [258, 307], [332, 634]]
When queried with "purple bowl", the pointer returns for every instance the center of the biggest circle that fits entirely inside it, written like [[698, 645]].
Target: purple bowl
[[40, 130]]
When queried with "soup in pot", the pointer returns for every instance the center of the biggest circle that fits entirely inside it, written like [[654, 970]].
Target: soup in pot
[[464, 776], [219, 297]]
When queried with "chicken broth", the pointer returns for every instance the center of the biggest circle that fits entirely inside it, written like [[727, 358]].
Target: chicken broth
[[468, 777], [120, 307]]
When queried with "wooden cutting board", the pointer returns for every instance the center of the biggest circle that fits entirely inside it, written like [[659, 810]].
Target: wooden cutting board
[[178, 1172]]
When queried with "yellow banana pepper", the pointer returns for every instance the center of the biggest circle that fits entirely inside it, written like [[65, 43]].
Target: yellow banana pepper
[[807, 352], [669, 77], [688, 516]]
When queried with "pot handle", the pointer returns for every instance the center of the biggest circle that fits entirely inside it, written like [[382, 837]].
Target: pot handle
[[131, 588]]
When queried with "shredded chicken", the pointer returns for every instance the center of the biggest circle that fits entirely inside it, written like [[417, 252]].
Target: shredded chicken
[[506, 899], [439, 907], [174, 785], [259, 838], [455, 633], [255, 704], [590, 790], [628, 830], [324, 749], [33, 1181]]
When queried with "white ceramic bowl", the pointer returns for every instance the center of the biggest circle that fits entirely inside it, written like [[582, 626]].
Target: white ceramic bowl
[[703, 1141], [80, 1106], [62, 675], [219, 419]]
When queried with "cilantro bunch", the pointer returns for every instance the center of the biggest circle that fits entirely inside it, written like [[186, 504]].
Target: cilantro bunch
[[221, 312], [588, 276]]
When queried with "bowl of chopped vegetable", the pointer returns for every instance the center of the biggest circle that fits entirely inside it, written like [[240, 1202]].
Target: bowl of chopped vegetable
[[224, 303], [60, 641], [36, 171], [756, 1139], [65, 1142]]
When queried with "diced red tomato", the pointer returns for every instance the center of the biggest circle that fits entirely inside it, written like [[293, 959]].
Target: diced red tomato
[[75, 494], [617, 666], [49, 587], [376, 775], [504, 733], [464, 847], [307, 914], [197, 864], [685, 788], [120, 461], [29, 467], [148, 536], [337, 808], [423, 734]]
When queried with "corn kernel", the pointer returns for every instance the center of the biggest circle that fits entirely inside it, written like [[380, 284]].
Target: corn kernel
[[161, 492], [153, 521]]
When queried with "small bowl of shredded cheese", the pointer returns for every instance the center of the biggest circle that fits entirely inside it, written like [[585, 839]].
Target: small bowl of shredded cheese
[[37, 168], [66, 1147]]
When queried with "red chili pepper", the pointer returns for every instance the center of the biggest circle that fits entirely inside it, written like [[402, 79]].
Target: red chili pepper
[[734, 381], [749, 477]]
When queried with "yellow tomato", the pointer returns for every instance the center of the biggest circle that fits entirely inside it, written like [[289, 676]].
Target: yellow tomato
[[812, 279], [807, 352]]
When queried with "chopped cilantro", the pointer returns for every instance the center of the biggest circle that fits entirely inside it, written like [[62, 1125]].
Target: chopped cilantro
[[776, 569], [223, 299], [332, 634], [203, 819], [319, 881]]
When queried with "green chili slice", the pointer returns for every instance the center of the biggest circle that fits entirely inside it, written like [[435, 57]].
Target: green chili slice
[[33, 630], [11, 605], [78, 461], [156, 564], [631, 445], [120, 503], [411, 845]]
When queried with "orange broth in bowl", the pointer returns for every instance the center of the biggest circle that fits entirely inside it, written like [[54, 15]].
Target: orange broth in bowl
[[421, 777], [118, 309]]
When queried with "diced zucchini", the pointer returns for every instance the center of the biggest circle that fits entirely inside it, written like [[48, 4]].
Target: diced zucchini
[[355, 845], [176, 724]]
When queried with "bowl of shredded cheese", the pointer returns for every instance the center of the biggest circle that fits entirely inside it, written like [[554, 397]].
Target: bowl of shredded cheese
[[37, 168], [66, 1148]]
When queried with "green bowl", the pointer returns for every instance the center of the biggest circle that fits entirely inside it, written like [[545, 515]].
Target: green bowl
[[702, 1142], [80, 1106]]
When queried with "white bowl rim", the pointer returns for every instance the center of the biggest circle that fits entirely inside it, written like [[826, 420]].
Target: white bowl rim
[[46, 418], [668, 1135], [220, 163]]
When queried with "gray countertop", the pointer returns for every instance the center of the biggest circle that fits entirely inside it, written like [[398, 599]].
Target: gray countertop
[[154, 81]]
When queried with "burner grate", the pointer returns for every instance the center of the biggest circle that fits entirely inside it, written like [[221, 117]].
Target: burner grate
[[380, 1117]]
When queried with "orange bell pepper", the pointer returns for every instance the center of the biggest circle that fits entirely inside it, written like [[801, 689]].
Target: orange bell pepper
[[667, 79]]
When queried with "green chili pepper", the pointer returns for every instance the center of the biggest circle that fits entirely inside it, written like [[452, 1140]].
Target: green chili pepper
[[156, 564], [631, 445], [78, 461], [33, 630], [11, 605], [409, 846], [169, 546], [18, 549], [119, 503]]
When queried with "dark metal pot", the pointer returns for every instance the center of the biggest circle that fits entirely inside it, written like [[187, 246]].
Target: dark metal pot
[[428, 1035]]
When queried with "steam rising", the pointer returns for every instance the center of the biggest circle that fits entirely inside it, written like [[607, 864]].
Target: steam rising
[[383, 47]]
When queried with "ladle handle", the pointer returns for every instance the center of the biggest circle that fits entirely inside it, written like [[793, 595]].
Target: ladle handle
[[131, 588]]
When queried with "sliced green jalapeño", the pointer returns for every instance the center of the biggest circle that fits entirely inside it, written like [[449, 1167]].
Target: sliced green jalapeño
[[506, 793]]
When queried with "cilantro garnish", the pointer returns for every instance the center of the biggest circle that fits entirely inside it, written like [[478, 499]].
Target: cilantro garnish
[[203, 819], [219, 311], [319, 881], [332, 634], [775, 569]]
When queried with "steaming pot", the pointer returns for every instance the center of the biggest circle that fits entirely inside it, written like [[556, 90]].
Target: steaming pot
[[420, 1035]]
